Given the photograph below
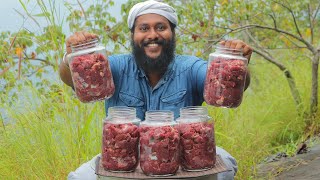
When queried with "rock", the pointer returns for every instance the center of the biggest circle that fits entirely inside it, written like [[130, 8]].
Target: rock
[[301, 166]]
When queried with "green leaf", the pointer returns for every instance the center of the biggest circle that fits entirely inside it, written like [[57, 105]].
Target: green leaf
[[23, 5], [44, 14]]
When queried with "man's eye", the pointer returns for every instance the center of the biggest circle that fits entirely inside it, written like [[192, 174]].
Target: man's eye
[[143, 28], [160, 27]]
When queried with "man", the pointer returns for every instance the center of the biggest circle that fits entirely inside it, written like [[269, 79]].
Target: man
[[153, 77]]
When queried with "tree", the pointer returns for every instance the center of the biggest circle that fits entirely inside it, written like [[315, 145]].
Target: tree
[[267, 25], [295, 25]]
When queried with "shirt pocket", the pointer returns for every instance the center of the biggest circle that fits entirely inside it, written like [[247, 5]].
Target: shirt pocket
[[133, 101], [130, 100], [175, 98]]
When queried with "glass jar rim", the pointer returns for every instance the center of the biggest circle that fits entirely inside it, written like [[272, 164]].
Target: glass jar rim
[[191, 114], [228, 53], [121, 113], [228, 49], [167, 114], [121, 108], [194, 109], [86, 43], [159, 118]]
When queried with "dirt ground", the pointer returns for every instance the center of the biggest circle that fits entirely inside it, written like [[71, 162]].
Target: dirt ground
[[305, 166]]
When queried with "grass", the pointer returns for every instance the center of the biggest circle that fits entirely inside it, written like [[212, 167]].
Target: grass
[[48, 139], [51, 134]]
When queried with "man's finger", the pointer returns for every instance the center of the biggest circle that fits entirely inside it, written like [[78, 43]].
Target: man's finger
[[80, 37], [240, 46], [247, 51], [227, 44]]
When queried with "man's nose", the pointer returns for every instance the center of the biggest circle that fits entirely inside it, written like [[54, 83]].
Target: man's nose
[[153, 34]]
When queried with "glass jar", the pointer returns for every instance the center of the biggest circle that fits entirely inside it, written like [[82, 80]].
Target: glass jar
[[120, 140], [159, 144], [226, 77], [90, 72], [197, 140]]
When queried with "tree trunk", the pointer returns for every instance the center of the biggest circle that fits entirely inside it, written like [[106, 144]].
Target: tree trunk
[[294, 91], [314, 91], [292, 85]]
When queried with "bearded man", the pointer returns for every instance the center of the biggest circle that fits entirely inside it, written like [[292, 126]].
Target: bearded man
[[153, 77]]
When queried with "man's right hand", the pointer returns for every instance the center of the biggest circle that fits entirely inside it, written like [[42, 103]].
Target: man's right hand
[[79, 38], [76, 38]]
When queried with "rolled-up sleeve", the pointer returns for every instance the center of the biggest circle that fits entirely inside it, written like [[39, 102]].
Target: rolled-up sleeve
[[199, 71]]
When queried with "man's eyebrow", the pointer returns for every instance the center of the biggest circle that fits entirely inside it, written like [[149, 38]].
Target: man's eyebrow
[[143, 24]]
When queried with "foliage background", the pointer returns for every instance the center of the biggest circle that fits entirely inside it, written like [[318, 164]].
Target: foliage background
[[45, 132]]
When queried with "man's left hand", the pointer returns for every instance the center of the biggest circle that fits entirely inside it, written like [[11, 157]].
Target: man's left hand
[[238, 44]]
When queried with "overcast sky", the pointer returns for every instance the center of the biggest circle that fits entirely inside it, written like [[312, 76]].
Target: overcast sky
[[10, 20]]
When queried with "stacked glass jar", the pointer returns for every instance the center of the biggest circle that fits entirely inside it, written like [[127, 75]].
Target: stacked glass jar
[[90, 72], [197, 140], [120, 140], [159, 144], [226, 77]]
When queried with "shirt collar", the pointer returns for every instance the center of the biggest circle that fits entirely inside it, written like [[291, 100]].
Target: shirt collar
[[166, 75]]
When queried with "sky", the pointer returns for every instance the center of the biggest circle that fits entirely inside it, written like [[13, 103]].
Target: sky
[[12, 17], [9, 19], [12, 13]]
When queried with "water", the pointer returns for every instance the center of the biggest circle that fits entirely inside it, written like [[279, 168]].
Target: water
[[13, 18]]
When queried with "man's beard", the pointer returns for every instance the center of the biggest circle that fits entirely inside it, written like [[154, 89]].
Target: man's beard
[[159, 64]]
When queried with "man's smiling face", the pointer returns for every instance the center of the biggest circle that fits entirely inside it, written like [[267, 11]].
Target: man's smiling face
[[153, 42]]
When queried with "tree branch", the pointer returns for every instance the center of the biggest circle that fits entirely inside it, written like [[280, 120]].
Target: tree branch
[[26, 58], [249, 26], [316, 12], [37, 59], [274, 21], [5, 70], [208, 48], [189, 32], [83, 11], [256, 43], [36, 70], [292, 42], [288, 48], [293, 16], [311, 22], [19, 67], [28, 14], [269, 58]]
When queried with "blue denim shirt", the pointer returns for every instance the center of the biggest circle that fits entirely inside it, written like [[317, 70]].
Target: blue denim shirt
[[182, 85]]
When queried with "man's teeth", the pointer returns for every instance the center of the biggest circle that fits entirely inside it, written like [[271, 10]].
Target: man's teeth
[[152, 45]]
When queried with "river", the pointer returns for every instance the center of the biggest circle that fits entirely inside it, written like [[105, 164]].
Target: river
[[14, 17]]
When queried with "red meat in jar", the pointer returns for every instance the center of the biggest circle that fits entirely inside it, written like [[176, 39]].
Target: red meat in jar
[[159, 150], [92, 77], [198, 150], [120, 147], [225, 82]]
